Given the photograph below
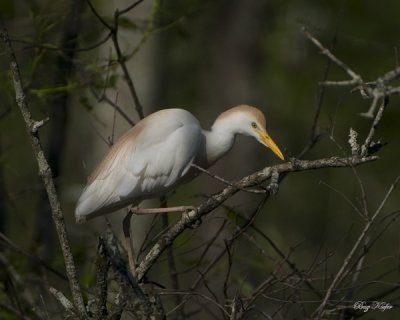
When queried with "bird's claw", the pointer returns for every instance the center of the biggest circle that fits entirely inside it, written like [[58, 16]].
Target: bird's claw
[[188, 219], [273, 186]]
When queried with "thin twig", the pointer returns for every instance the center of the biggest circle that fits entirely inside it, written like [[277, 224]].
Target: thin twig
[[357, 210], [315, 135], [341, 274], [371, 110], [320, 98], [14, 311], [99, 17], [111, 139], [228, 243], [5, 240], [53, 47], [229, 268], [203, 254], [286, 259], [216, 177], [129, 8], [120, 57], [344, 83], [375, 123], [391, 75], [355, 77], [188, 294], [121, 112], [171, 260]]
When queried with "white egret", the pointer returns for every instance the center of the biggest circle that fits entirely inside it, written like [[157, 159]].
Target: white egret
[[155, 155]]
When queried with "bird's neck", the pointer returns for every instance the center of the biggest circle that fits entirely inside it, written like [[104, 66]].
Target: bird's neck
[[217, 142]]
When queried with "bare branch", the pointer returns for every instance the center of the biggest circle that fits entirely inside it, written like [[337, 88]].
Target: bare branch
[[365, 147], [53, 47], [99, 17], [129, 8], [391, 75], [344, 83], [120, 57], [355, 78], [104, 97], [102, 265], [46, 175], [252, 180], [342, 273], [68, 306], [171, 260], [14, 311], [216, 177], [371, 111], [4, 240]]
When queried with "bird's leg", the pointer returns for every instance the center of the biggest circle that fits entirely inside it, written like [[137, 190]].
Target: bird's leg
[[162, 210], [126, 226], [184, 209]]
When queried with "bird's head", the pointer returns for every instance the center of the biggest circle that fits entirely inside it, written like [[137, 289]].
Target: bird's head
[[249, 121]]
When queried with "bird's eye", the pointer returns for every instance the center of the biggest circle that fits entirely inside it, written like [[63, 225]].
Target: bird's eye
[[254, 125]]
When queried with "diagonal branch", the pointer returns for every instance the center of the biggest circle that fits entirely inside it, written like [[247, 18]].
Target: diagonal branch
[[45, 174], [355, 78], [368, 140], [250, 181], [343, 271]]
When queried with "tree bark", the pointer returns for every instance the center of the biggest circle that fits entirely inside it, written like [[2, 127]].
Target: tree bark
[[58, 108]]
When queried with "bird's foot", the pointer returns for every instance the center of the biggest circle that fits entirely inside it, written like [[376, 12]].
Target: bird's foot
[[188, 218], [273, 186]]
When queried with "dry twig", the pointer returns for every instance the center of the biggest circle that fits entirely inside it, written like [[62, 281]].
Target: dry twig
[[250, 181], [343, 271], [45, 173], [113, 29]]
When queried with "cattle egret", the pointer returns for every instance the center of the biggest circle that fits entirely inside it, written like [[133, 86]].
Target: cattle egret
[[155, 155]]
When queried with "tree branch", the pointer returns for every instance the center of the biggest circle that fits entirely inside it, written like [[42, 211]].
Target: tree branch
[[355, 78], [113, 29], [252, 180], [343, 271], [45, 174]]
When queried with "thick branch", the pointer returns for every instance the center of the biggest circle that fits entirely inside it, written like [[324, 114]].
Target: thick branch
[[45, 173], [250, 181]]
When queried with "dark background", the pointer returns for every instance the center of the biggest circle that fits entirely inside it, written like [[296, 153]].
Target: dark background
[[206, 56]]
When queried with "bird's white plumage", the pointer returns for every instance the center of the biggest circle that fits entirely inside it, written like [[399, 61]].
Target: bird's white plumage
[[148, 160], [155, 155]]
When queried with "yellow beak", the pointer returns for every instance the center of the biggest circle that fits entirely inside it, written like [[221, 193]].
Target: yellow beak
[[267, 141]]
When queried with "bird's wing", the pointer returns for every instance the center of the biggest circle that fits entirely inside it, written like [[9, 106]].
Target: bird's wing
[[140, 168]]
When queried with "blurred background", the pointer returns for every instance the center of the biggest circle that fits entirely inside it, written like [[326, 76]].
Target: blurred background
[[205, 56]]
